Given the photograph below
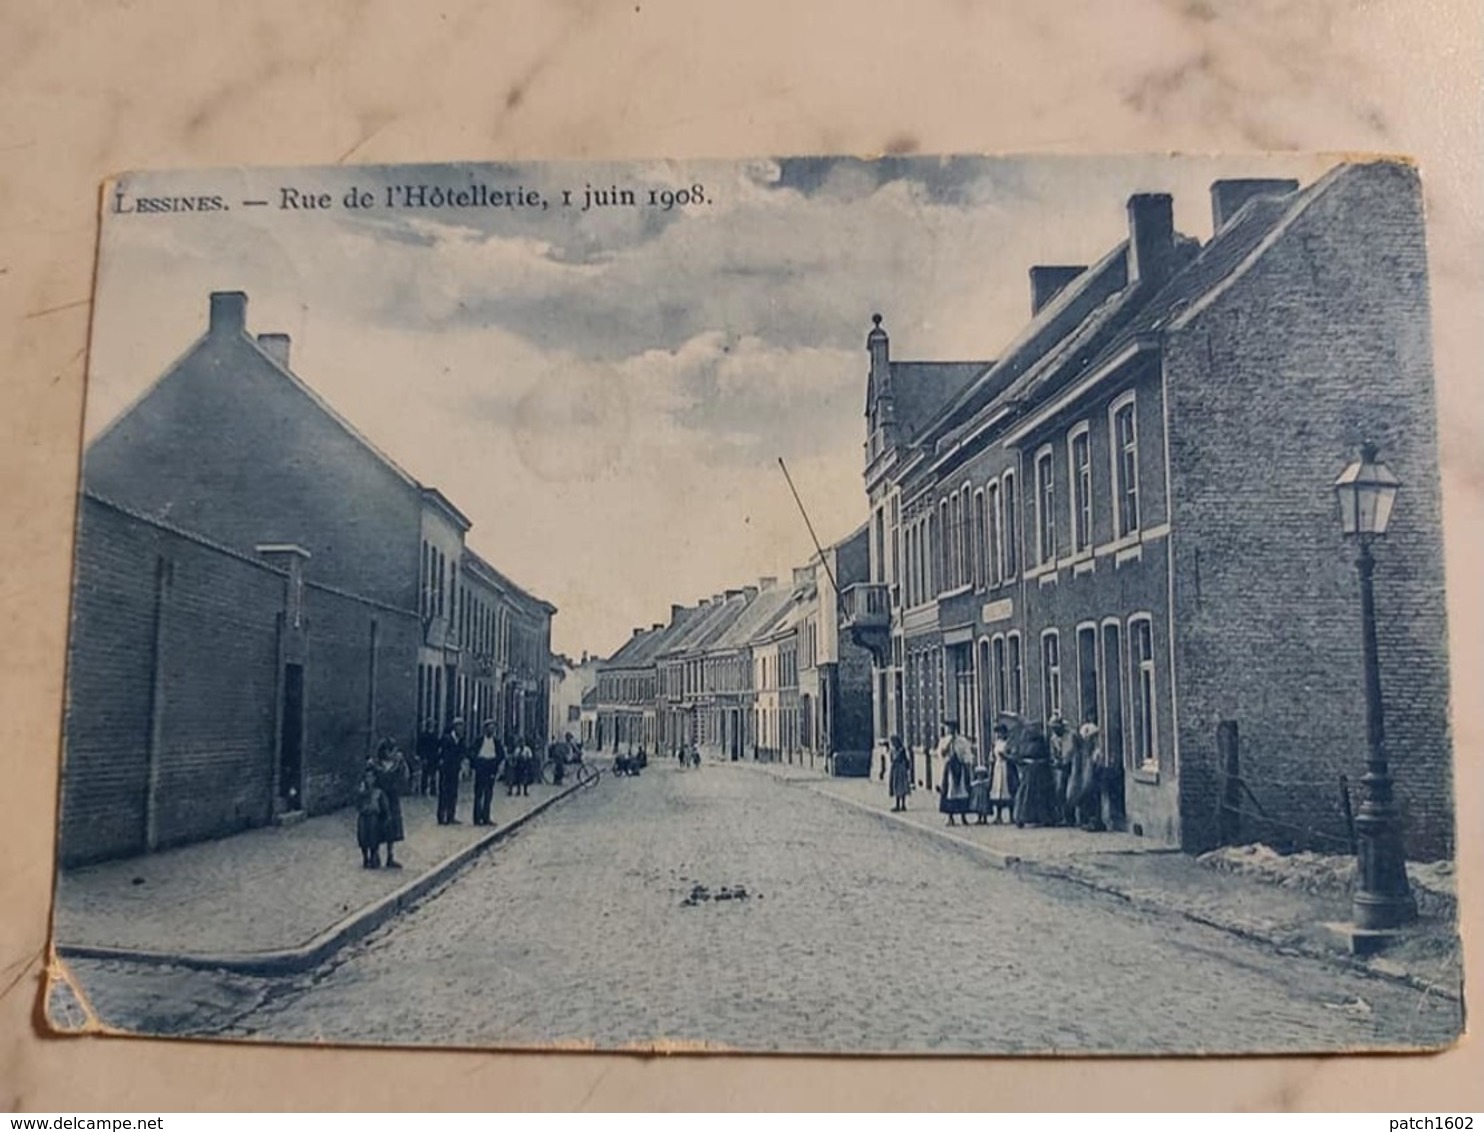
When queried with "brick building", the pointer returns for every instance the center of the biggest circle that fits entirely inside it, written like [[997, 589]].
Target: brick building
[[261, 595], [1129, 517], [834, 671]]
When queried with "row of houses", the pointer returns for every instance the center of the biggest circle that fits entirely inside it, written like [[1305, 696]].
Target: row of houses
[[759, 672], [262, 595], [1127, 518]]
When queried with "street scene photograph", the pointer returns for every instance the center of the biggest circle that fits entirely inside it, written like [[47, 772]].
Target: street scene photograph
[[907, 605]]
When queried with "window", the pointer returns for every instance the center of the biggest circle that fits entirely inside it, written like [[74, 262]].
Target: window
[[1017, 675], [1141, 686], [980, 551], [993, 524], [965, 540], [1011, 530], [944, 546], [1087, 674], [1045, 508], [1050, 673], [878, 547], [950, 572], [932, 576], [1080, 448], [1125, 465], [1001, 678], [896, 545]]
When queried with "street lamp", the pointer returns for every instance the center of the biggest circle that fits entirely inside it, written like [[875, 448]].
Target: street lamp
[[1383, 901]]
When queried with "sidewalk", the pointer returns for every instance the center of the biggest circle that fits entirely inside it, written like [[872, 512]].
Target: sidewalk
[[1158, 879], [274, 899]]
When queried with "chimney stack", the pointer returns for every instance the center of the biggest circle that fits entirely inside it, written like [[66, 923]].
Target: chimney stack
[[1047, 282], [1151, 237], [675, 612], [228, 312], [276, 346], [1227, 197], [766, 584]]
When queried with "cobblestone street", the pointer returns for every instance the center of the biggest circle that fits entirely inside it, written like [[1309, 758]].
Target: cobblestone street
[[853, 935]]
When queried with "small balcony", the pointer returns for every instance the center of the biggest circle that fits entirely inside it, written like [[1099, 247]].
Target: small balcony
[[865, 613]]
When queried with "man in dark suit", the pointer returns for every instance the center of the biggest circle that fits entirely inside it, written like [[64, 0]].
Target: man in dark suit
[[451, 755]]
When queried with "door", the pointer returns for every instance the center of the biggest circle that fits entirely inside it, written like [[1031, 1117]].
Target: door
[[291, 741]]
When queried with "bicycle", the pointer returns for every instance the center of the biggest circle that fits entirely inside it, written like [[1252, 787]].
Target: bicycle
[[584, 774]]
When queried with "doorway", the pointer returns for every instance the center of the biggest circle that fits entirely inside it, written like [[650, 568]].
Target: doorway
[[291, 741]]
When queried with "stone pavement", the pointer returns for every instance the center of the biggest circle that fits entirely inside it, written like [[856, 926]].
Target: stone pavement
[[1156, 878], [265, 890], [604, 925]]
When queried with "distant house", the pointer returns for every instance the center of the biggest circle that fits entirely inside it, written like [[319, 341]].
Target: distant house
[[261, 595]]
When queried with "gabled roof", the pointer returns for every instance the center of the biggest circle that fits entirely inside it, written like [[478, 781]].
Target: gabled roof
[[710, 621], [921, 389], [641, 650], [780, 623], [760, 612], [480, 565], [1052, 325], [241, 337], [1204, 272]]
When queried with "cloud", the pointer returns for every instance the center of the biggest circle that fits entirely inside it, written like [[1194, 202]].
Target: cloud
[[606, 393]]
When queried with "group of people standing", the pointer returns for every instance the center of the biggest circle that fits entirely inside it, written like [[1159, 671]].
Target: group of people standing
[[491, 760], [438, 769], [1059, 776]]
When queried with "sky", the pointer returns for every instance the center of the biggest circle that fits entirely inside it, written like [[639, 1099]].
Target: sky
[[606, 392]]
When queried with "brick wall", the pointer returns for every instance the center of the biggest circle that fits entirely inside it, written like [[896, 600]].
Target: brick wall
[[1106, 589], [852, 699], [1323, 343], [343, 721], [213, 712], [218, 649]]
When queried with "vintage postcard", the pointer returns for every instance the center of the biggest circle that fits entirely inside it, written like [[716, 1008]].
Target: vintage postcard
[[822, 605]]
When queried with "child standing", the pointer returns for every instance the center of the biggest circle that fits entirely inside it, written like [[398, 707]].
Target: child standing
[[371, 821]]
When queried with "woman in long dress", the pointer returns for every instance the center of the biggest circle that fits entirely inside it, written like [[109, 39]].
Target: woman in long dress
[[1035, 797], [394, 778], [953, 791], [1001, 791], [901, 774]]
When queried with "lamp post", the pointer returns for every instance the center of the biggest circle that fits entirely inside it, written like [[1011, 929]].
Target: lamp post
[[1383, 901]]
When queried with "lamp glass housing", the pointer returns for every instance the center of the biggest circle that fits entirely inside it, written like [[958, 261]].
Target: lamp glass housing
[[1366, 491]]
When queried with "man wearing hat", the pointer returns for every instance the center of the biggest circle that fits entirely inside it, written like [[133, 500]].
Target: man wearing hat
[[451, 755]]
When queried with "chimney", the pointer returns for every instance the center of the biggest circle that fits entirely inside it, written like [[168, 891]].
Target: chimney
[[276, 346], [750, 591], [1227, 197], [803, 575], [656, 627], [766, 584], [1151, 237], [675, 612], [1047, 282], [228, 312], [637, 631]]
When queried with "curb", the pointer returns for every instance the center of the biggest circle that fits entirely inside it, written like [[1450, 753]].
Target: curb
[[292, 960], [1142, 903]]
